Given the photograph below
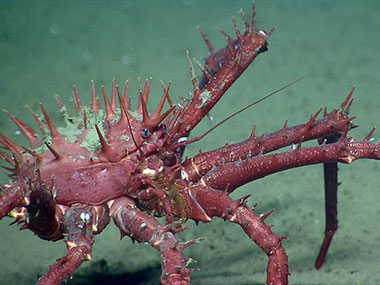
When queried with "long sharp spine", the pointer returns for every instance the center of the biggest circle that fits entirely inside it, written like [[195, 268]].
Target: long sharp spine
[[42, 128], [78, 103], [95, 102], [54, 152], [109, 112], [53, 130], [106, 149], [26, 130], [113, 96]]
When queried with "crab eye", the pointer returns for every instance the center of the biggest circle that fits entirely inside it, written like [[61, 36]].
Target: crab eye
[[164, 128], [145, 133]]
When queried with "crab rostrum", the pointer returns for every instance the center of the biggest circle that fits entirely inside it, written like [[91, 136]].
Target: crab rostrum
[[127, 165]]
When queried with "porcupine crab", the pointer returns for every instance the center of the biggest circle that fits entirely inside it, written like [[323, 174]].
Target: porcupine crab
[[62, 190]]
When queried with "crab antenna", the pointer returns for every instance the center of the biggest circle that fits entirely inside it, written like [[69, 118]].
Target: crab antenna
[[124, 109], [123, 115], [236, 113]]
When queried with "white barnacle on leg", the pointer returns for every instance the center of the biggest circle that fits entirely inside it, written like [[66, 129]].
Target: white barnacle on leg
[[85, 217], [182, 139], [142, 226]]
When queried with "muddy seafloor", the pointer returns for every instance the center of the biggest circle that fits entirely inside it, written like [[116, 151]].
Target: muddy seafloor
[[46, 47]]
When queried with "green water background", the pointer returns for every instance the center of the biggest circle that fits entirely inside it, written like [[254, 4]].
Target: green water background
[[47, 46]]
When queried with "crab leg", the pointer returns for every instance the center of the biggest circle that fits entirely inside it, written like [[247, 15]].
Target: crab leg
[[331, 124], [235, 174], [12, 196], [202, 163], [330, 170], [143, 228], [210, 203], [222, 69], [78, 222]]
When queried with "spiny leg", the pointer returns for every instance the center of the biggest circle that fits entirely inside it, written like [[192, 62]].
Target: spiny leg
[[332, 124], [224, 67], [12, 196], [207, 203], [330, 170], [330, 173], [143, 228], [235, 174], [78, 222]]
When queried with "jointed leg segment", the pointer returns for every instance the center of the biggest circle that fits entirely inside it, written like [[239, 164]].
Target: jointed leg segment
[[143, 228], [219, 204]]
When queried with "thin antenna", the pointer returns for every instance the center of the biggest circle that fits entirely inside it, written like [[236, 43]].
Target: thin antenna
[[125, 110], [183, 143]]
